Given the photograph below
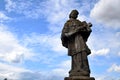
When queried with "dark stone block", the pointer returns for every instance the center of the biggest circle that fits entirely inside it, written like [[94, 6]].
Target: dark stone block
[[79, 78]]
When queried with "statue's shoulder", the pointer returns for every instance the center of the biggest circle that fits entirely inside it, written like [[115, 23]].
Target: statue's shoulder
[[78, 21], [75, 20], [68, 22], [71, 22]]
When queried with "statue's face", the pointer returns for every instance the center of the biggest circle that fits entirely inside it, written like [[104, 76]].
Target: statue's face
[[73, 14]]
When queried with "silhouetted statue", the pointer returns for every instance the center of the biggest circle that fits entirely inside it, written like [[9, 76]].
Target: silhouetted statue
[[5, 79], [74, 37]]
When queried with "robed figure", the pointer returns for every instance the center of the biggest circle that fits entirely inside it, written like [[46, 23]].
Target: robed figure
[[74, 37]]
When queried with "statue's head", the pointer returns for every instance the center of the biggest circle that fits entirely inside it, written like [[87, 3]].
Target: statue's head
[[73, 14]]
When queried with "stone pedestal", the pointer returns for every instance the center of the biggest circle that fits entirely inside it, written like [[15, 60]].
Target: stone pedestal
[[79, 78]]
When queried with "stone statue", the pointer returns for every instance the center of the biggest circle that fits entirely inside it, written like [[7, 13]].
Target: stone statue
[[74, 37]]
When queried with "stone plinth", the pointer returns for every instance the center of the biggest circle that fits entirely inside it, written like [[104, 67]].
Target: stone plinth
[[79, 78]]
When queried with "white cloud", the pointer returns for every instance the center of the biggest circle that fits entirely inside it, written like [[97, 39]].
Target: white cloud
[[107, 12], [66, 64], [58, 13], [60, 70], [114, 68], [39, 76], [10, 48], [3, 17], [106, 77], [10, 5], [48, 41], [105, 43], [63, 68], [118, 53], [10, 71], [118, 34], [24, 7], [47, 44], [101, 52], [55, 14]]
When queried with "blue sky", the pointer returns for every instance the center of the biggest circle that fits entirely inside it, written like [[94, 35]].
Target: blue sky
[[30, 45]]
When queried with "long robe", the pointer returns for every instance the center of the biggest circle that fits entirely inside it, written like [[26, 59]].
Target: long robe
[[74, 36]]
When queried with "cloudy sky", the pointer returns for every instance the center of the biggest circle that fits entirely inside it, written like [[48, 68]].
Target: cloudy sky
[[30, 45]]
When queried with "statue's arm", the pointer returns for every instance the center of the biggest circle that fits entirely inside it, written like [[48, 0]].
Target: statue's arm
[[68, 32], [64, 37], [73, 32], [87, 27]]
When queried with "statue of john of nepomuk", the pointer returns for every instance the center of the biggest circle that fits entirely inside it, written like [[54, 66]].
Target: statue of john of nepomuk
[[74, 37]]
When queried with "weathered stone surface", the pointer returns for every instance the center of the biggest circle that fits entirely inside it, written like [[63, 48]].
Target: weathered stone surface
[[79, 78], [74, 36]]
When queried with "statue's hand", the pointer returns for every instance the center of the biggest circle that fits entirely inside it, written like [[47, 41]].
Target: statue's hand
[[81, 28], [69, 34], [89, 24]]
